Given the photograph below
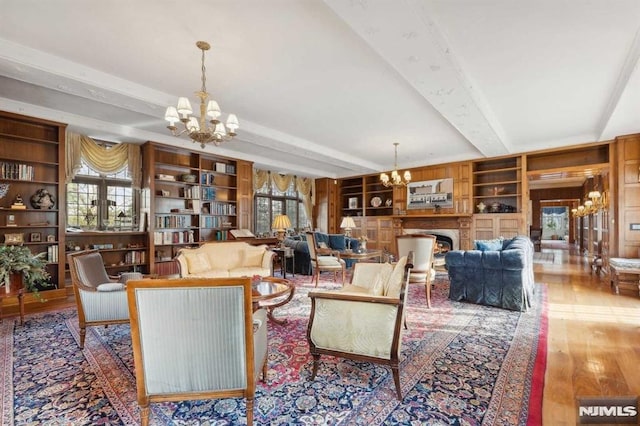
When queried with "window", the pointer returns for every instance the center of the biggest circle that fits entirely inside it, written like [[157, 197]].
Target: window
[[270, 202], [100, 201]]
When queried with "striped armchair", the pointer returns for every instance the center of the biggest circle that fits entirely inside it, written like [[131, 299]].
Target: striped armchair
[[196, 339], [101, 300]]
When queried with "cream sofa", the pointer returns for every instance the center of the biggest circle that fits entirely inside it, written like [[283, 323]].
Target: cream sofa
[[228, 259]]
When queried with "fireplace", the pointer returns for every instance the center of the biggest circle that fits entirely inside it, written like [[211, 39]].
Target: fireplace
[[446, 237]]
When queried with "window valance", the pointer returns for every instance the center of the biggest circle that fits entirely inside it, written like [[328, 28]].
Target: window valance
[[103, 160]]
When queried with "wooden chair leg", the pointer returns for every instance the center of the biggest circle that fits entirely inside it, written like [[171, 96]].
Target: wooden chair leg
[[427, 289], [249, 411], [396, 380]]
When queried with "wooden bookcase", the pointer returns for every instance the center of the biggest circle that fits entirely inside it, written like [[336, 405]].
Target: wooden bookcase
[[32, 158], [497, 183], [365, 196], [122, 251], [193, 199]]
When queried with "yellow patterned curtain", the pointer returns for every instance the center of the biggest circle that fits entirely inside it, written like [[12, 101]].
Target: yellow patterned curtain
[[260, 177], [101, 159], [282, 182], [305, 186]]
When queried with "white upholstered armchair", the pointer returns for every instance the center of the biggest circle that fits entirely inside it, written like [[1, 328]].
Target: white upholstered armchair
[[196, 339], [363, 320], [101, 299], [423, 247]]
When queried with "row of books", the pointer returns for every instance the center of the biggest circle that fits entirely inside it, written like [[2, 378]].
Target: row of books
[[133, 257], [17, 171], [217, 207], [208, 193], [52, 253], [175, 237], [192, 192], [229, 169], [214, 222], [173, 221]]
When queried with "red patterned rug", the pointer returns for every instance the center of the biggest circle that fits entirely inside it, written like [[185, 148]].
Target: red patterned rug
[[462, 364]]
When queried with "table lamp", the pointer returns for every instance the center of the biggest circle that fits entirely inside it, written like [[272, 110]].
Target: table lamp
[[347, 224], [280, 225]]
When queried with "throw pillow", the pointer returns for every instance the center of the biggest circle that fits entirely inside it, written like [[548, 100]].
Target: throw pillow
[[197, 262], [110, 287], [394, 284], [378, 286], [337, 242], [488, 245]]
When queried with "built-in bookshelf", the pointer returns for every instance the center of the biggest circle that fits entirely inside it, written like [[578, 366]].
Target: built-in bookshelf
[[32, 163], [497, 185], [365, 196], [121, 251], [193, 200]]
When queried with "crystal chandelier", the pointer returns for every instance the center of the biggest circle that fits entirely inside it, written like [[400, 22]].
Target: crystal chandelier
[[199, 129], [395, 180]]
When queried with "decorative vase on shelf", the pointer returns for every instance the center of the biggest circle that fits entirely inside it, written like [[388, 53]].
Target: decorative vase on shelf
[[43, 199]]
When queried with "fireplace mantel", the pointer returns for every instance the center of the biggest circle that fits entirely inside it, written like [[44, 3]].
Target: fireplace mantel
[[460, 222]]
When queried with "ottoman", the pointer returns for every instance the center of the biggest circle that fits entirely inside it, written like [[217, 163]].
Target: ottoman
[[623, 266]]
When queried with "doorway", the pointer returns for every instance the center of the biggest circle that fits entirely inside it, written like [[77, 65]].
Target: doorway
[[555, 223]]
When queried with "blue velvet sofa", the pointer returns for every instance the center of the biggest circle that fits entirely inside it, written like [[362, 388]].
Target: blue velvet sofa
[[498, 273], [301, 249]]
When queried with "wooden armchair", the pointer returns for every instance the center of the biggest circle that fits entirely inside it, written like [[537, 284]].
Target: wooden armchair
[[362, 321], [196, 339], [329, 262], [101, 299]]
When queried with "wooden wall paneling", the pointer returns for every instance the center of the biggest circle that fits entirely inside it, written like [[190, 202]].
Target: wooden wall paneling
[[628, 205], [244, 170], [321, 210]]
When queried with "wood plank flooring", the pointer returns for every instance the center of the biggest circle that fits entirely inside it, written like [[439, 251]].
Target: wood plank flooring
[[594, 335]]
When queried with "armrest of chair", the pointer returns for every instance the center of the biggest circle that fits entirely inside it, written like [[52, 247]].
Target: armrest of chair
[[353, 297]]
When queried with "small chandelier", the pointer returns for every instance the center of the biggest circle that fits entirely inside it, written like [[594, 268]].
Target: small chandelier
[[198, 129], [395, 180]]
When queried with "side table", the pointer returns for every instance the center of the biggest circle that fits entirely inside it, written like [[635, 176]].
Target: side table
[[283, 254]]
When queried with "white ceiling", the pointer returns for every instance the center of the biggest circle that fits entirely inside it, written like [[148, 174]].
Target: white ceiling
[[324, 88]]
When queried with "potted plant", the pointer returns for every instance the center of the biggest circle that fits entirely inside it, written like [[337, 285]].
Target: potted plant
[[16, 261]]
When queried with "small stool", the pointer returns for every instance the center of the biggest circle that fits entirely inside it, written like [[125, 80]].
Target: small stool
[[619, 266]]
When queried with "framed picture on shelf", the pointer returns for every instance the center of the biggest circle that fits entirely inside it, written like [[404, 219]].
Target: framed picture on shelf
[[35, 237], [353, 202], [11, 220], [51, 238], [13, 238]]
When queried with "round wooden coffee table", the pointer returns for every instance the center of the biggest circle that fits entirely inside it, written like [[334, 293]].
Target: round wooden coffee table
[[270, 293]]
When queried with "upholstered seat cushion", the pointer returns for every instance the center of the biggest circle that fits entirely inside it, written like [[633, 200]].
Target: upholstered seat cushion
[[110, 287], [330, 261]]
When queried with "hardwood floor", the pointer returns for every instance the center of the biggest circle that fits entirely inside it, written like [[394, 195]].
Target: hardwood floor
[[594, 335]]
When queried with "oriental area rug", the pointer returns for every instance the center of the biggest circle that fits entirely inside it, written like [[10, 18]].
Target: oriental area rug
[[461, 364]]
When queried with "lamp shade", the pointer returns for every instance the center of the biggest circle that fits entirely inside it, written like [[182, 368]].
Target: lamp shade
[[347, 223], [281, 222]]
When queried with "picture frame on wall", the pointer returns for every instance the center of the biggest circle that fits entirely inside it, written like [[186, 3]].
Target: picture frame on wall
[[430, 194]]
